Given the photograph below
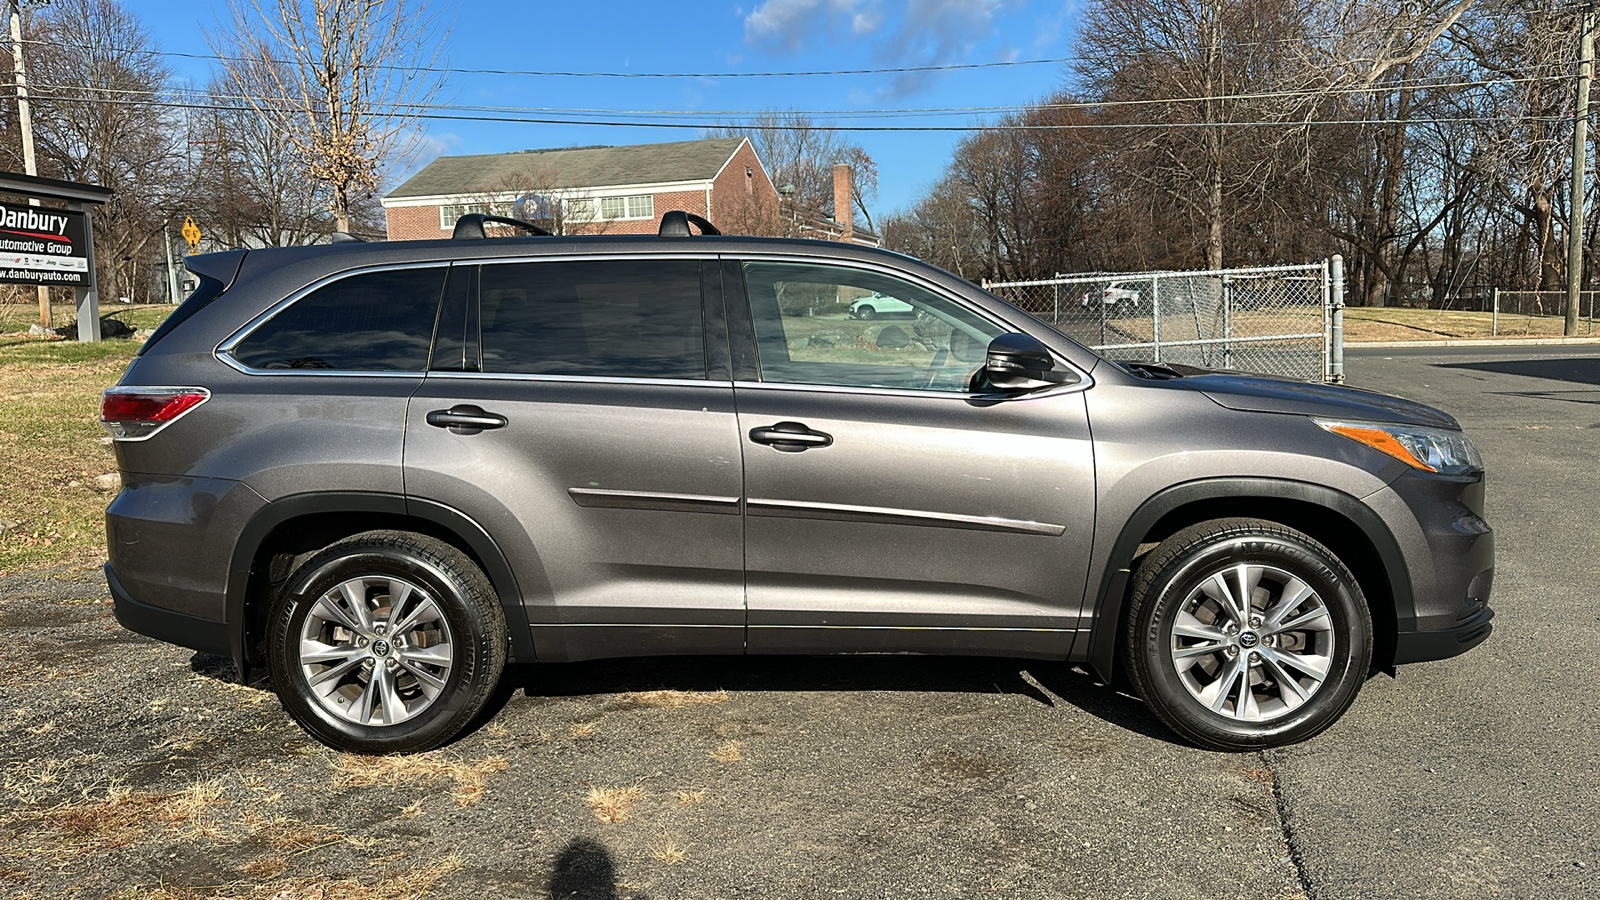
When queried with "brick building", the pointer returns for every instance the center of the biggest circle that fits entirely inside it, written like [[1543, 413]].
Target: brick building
[[587, 190]]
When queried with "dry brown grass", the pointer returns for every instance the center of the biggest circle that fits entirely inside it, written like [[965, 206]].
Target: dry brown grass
[[393, 771], [584, 730], [731, 752], [1395, 324], [668, 699], [691, 798], [264, 867], [668, 851], [405, 884], [119, 817], [611, 805]]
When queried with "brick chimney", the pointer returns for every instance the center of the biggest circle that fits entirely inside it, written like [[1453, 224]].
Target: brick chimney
[[843, 202]]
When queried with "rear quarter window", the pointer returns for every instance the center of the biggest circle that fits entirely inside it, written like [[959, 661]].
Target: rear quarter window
[[370, 322]]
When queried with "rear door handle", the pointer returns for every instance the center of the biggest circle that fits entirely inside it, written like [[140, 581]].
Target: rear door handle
[[464, 418], [790, 437]]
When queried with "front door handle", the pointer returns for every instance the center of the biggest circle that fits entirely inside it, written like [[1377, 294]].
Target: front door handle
[[790, 437], [464, 418]]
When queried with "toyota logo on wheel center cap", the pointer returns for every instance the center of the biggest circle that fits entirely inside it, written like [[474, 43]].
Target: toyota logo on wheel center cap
[[1249, 639], [380, 648]]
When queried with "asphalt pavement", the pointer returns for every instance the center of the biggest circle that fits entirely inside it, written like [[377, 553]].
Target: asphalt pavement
[[858, 778]]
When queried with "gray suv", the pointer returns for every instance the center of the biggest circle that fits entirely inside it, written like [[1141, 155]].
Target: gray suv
[[383, 471]]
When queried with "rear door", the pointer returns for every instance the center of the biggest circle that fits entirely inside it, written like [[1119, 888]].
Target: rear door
[[888, 509], [582, 412]]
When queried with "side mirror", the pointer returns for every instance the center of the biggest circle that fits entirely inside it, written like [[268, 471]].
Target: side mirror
[[1019, 362]]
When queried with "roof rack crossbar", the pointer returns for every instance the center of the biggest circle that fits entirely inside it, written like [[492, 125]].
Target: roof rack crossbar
[[675, 223], [470, 226]]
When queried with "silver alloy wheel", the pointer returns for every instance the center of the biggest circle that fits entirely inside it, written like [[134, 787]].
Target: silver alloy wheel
[[1252, 643], [375, 650]]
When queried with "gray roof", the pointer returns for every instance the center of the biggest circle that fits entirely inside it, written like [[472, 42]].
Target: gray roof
[[573, 167]]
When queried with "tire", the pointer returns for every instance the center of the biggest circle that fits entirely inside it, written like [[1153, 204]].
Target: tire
[[866, 313], [376, 689], [1185, 650]]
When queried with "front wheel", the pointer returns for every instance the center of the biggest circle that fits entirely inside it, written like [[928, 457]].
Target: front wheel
[[386, 642], [1246, 634], [866, 313]]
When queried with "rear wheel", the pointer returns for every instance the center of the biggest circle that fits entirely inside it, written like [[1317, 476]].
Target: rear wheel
[[386, 642], [1246, 634], [866, 313]]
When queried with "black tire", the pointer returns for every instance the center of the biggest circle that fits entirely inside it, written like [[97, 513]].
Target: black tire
[[1177, 580], [866, 313], [438, 673]]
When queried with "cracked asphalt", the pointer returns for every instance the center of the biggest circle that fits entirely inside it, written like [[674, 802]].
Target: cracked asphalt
[[133, 768]]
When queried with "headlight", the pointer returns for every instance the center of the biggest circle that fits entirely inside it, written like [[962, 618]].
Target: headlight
[[1429, 449]]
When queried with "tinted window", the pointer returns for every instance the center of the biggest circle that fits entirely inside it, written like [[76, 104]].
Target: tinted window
[[375, 322], [820, 324], [637, 319]]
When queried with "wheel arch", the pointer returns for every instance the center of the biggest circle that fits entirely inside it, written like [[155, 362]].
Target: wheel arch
[[1342, 523], [291, 527]]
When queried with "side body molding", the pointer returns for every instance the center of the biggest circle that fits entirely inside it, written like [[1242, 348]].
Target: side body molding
[[1108, 604], [282, 510]]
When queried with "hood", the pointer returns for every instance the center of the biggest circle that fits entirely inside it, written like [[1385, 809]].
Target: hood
[[1257, 393]]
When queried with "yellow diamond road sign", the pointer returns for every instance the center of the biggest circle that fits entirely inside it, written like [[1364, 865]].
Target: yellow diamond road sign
[[191, 233]]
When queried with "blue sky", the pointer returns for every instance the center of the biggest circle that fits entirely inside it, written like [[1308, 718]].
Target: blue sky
[[760, 36]]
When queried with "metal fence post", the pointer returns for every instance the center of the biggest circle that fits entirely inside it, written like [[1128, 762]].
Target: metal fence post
[[1336, 314], [1155, 314], [1494, 317], [1227, 323], [1057, 320]]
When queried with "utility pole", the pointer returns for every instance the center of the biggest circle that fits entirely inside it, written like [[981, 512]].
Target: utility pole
[[1580, 152], [30, 164]]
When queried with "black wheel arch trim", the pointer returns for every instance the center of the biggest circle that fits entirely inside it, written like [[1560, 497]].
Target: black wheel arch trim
[[279, 511], [1113, 589]]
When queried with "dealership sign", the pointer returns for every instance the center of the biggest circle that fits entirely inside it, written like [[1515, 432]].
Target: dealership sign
[[43, 246]]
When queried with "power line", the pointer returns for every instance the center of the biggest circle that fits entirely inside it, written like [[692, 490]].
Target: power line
[[1090, 126], [891, 113]]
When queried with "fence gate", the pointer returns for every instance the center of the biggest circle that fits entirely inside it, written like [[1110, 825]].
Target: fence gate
[[1279, 320]]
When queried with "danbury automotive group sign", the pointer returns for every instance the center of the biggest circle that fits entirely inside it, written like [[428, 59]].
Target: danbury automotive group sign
[[43, 246]]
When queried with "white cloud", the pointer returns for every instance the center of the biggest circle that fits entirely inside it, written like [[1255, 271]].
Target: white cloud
[[788, 23]]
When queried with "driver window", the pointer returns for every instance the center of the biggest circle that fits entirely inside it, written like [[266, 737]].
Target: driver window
[[831, 325]]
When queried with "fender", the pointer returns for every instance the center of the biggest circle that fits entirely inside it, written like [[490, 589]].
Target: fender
[[282, 510], [1107, 608]]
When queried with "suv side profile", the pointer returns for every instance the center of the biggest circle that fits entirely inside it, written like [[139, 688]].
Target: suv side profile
[[384, 471]]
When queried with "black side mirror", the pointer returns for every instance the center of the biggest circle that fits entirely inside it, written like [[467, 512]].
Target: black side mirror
[[1019, 362]]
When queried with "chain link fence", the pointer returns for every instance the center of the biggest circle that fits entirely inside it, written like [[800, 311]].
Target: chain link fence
[[1539, 312], [1276, 320]]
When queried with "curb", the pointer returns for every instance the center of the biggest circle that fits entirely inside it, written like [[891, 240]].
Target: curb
[[1472, 342]]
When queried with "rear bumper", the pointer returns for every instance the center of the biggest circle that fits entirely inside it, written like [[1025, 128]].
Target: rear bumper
[[193, 632]]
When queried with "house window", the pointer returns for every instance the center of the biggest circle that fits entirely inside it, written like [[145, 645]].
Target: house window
[[640, 206], [450, 212]]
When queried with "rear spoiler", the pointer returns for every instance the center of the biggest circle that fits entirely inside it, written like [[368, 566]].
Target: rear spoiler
[[222, 267]]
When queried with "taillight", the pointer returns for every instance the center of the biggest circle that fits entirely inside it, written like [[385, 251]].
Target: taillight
[[133, 414]]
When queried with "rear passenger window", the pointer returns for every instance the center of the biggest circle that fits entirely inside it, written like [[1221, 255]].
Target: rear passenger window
[[373, 322], [638, 319]]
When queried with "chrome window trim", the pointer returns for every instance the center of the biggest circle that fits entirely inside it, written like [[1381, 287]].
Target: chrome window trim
[[585, 379], [991, 397], [223, 352], [1084, 380]]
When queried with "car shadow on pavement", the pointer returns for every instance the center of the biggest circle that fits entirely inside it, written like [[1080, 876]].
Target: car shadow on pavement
[[1046, 683], [1579, 370]]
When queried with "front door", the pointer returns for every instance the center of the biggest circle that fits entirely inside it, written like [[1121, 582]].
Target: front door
[[888, 509], [572, 411]]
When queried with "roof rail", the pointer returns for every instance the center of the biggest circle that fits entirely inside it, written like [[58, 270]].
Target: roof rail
[[470, 226], [676, 224]]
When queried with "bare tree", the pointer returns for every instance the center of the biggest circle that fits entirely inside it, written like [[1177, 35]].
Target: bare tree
[[344, 81], [799, 152], [95, 69]]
